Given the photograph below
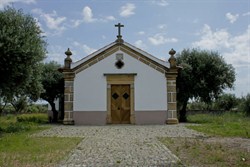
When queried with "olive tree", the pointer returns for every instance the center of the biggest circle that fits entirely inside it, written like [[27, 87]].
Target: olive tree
[[22, 48], [205, 75]]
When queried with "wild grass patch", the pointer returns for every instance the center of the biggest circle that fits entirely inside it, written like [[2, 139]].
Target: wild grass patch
[[21, 123], [22, 150], [202, 152], [227, 124], [35, 118], [19, 148]]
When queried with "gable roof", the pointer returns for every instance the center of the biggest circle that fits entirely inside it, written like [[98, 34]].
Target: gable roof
[[131, 50]]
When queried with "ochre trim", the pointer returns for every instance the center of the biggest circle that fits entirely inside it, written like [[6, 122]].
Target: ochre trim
[[108, 74], [171, 99], [144, 59], [96, 59], [172, 121], [116, 79], [68, 100], [131, 52]]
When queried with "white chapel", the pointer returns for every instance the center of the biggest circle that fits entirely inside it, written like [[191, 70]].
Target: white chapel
[[120, 84]]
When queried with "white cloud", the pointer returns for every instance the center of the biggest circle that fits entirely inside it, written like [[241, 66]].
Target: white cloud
[[159, 39], [79, 50], [52, 21], [235, 49], [240, 49], [163, 58], [4, 3], [86, 49], [246, 14], [110, 18], [160, 2], [106, 18], [232, 18], [104, 37], [55, 53], [212, 40], [141, 33], [40, 26], [76, 23], [140, 44], [127, 10], [195, 21], [162, 26], [87, 15]]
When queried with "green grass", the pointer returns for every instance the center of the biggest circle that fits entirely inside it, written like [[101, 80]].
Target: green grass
[[225, 125], [19, 148], [22, 150]]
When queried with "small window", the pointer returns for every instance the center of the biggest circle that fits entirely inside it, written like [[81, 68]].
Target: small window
[[119, 64]]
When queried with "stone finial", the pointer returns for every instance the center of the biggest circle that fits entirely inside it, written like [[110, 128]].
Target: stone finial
[[172, 59], [67, 60]]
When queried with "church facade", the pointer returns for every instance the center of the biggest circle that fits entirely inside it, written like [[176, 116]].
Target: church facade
[[120, 84]]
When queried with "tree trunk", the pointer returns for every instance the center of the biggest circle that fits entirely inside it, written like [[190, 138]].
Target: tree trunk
[[2, 108], [55, 113], [61, 106], [183, 112]]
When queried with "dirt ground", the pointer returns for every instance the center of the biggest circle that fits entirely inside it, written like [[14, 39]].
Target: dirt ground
[[211, 151]]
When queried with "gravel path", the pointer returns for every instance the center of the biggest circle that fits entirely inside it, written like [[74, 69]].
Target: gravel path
[[120, 145]]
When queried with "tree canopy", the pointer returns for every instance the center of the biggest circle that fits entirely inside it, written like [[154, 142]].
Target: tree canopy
[[22, 48], [205, 75]]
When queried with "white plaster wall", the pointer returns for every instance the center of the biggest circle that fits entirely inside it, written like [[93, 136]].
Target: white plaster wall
[[90, 86]]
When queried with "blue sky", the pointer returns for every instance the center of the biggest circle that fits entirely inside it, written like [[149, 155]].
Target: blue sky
[[155, 26]]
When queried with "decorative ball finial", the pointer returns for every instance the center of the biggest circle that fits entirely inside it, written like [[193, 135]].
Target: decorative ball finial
[[68, 52], [172, 59], [172, 52], [67, 60]]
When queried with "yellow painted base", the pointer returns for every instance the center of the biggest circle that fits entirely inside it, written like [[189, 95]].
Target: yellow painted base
[[172, 121], [68, 122]]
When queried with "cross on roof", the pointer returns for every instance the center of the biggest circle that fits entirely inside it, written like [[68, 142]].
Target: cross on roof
[[119, 25]]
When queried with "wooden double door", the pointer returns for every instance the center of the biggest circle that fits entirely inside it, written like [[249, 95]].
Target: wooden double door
[[120, 104]]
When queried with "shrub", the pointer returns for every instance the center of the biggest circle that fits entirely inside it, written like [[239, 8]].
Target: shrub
[[42, 108], [37, 108], [246, 105], [20, 104], [16, 127], [9, 109], [24, 122], [32, 109], [35, 118], [226, 102], [197, 105]]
